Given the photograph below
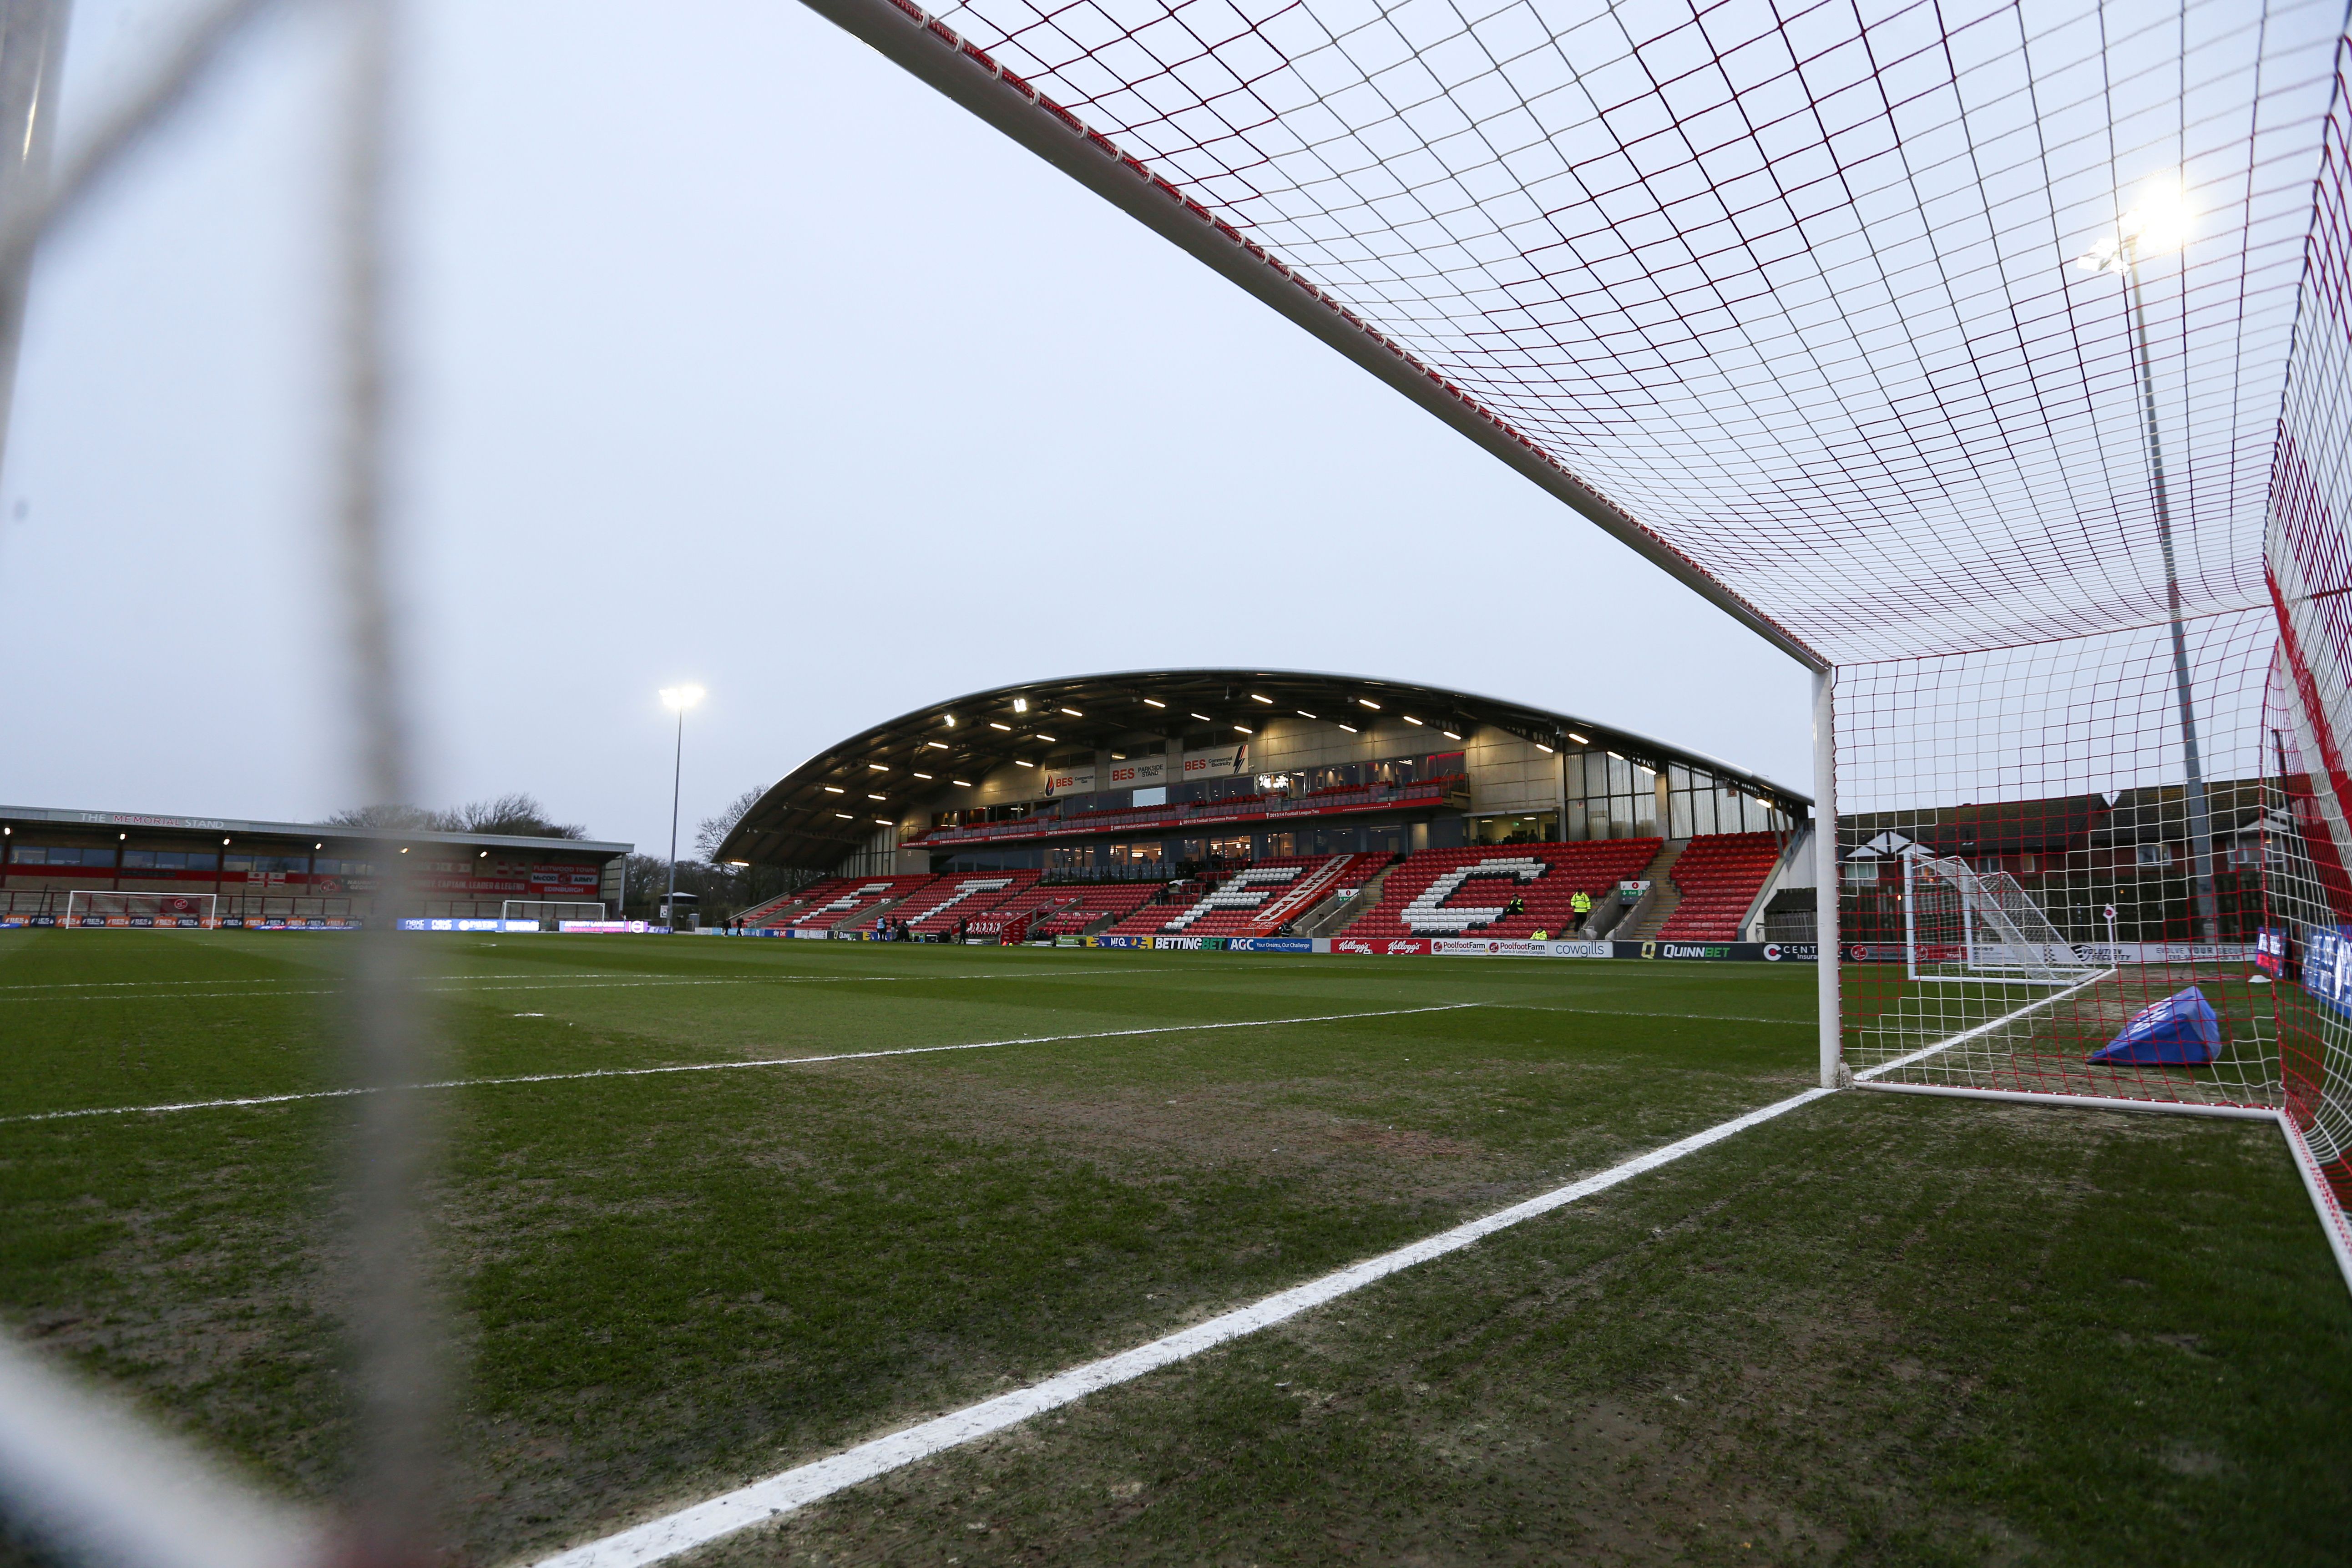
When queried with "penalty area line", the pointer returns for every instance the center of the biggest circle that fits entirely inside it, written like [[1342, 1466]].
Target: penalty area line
[[795, 1488], [718, 1066]]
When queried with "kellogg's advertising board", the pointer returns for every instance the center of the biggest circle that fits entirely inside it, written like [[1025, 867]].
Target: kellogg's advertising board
[[1380, 946]]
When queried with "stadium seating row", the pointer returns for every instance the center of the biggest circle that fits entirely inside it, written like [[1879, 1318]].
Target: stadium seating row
[[1253, 900], [1718, 877], [1436, 892], [1460, 892]]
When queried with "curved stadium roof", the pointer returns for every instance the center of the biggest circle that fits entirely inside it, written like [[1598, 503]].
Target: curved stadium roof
[[796, 821]]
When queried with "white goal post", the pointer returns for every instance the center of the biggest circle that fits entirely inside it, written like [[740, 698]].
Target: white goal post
[[1959, 924], [557, 910], [95, 908]]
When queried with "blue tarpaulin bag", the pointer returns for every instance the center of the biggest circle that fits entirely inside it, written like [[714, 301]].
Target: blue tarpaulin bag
[[2180, 1031]]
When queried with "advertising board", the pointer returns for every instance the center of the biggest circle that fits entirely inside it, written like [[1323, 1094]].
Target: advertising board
[[1116, 941], [1217, 763], [1381, 946], [2328, 967], [1725, 951], [1142, 773], [1269, 944], [438, 923], [621, 928], [1509, 947]]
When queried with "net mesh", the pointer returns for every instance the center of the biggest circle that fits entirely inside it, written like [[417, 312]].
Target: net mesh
[[2022, 875], [2308, 570], [1790, 285]]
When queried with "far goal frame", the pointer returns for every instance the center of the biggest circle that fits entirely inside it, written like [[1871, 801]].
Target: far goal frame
[[2004, 937], [507, 909], [157, 917]]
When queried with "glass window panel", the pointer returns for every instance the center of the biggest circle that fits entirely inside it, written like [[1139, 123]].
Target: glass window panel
[[1678, 815], [1621, 817]]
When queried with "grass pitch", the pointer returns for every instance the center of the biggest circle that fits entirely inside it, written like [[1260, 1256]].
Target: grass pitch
[[1878, 1329]]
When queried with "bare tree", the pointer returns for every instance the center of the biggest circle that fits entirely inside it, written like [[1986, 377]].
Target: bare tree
[[516, 816], [713, 830]]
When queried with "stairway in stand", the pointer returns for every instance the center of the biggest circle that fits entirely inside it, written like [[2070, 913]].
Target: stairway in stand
[[1295, 901], [1664, 896]]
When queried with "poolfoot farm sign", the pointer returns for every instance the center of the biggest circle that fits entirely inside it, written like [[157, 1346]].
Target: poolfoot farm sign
[[1466, 947]]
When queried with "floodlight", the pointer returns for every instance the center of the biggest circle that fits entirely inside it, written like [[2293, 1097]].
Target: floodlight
[[2158, 224], [680, 698]]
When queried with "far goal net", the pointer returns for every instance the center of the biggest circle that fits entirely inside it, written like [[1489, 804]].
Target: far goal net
[[1962, 924], [551, 911], [91, 909]]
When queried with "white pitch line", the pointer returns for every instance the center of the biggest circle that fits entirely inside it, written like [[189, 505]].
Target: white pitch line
[[1628, 1013], [717, 1066], [467, 986], [780, 1494]]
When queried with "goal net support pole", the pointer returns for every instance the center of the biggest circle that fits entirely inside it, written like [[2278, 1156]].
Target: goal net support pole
[[1825, 869]]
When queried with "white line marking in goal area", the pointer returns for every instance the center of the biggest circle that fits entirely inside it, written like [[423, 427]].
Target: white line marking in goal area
[[1922, 1054], [720, 1067], [2332, 1217], [804, 1484]]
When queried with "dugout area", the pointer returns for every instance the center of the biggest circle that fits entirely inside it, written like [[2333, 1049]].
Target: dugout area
[[1875, 1328]]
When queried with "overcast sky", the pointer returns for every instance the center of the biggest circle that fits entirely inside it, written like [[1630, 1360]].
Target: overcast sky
[[730, 354]]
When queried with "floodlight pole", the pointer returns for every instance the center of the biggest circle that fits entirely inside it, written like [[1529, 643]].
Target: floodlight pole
[[1826, 947], [677, 779], [2200, 824]]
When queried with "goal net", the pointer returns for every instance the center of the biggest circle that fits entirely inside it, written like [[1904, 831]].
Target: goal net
[[2024, 873], [2040, 527], [545, 910], [91, 909]]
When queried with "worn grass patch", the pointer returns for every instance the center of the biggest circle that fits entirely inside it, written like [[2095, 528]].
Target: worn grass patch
[[664, 1286]]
